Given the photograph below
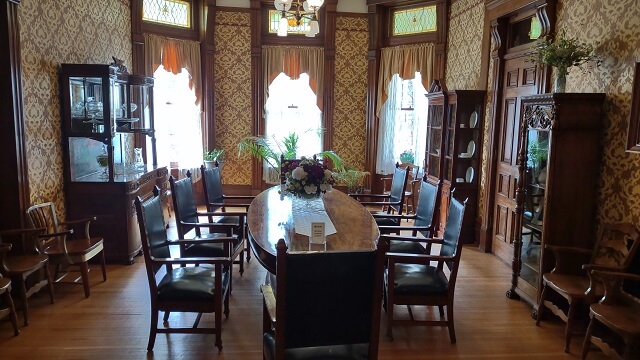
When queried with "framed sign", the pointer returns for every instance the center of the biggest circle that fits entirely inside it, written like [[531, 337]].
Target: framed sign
[[633, 135]]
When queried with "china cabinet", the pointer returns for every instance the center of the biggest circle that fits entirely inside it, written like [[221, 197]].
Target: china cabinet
[[454, 142], [559, 160], [105, 113]]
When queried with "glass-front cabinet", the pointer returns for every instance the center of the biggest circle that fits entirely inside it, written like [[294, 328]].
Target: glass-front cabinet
[[107, 118]]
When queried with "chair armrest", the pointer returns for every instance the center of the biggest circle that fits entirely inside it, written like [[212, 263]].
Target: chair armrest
[[402, 228], [240, 214], [269, 301], [224, 205], [380, 203], [415, 258], [559, 249], [618, 274], [215, 240], [238, 197], [393, 216], [74, 223], [370, 195], [194, 260], [61, 233], [224, 226], [411, 238]]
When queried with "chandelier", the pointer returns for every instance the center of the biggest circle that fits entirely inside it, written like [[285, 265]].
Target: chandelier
[[307, 9]]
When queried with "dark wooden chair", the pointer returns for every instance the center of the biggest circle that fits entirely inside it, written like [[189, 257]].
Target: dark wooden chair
[[613, 251], [183, 289], [323, 305], [187, 219], [5, 294], [422, 221], [410, 279], [68, 243], [413, 180], [615, 320], [217, 201], [25, 259], [393, 201]]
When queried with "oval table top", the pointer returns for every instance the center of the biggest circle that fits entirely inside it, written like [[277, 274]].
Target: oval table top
[[269, 219]]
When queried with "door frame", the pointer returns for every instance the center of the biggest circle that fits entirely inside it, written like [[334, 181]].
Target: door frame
[[496, 21]]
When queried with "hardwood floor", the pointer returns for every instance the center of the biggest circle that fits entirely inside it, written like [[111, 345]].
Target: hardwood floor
[[114, 322]]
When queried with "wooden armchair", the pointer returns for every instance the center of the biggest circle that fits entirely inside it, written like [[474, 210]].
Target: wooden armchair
[[68, 243], [613, 251], [187, 219], [393, 201], [413, 180], [217, 200], [323, 305], [423, 222], [410, 279], [5, 294], [183, 289], [615, 320], [25, 259]]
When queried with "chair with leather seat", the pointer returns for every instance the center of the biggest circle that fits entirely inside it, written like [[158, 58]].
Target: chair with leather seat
[[187, 220], [68, 243], [613, 251], [615, 320], [24, 259], [5, 294], [422, 221], [411, 280], [413, 179], [217, 201], [393, 201], [186, 288], [323, 305]]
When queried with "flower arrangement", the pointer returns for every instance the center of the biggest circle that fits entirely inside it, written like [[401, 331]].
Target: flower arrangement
[[307, 177], [563, 53]]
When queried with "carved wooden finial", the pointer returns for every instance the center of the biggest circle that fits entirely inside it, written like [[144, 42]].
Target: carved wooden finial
[[120, 64]]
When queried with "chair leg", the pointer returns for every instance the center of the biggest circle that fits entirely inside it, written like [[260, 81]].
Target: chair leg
[[248, 250], [47, 274], [441, 311], [587, 339], [226, 305], [390, 317], [153, 330], [242, 259], [452, 331], [23, 299], [12, 312], [543, 296], [84, 271], [218, 317], [103, 265], [165, 318], [570, 319]]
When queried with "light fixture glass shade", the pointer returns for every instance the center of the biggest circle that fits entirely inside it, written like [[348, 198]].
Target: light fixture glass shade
[[306, 7], [315, 3], [314, 27], [282, 5], [282, 27]]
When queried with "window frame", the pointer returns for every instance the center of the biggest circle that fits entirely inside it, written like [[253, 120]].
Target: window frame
[[291, 39], [175, 31]]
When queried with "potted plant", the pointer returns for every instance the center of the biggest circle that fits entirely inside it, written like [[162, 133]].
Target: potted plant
[[351, 178], [407, 157], [210, 157], [562, 53]]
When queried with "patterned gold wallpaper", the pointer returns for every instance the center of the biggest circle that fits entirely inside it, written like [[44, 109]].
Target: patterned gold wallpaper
[[464, 45], [350, 89], [54, 32], [233, 91], [615, 28]]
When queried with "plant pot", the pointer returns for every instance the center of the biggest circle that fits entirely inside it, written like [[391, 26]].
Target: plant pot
[[560, 84], [209, 164]]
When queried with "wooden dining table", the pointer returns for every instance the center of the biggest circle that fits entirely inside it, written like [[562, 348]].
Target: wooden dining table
[[270, 219]]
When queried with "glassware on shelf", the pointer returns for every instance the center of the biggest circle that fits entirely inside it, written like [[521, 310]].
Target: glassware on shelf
[[139, 161], [103, 162], [94, 110]]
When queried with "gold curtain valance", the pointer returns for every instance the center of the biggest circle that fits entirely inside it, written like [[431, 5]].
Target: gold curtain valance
[[405, 61], [174, 55], [293, 61]]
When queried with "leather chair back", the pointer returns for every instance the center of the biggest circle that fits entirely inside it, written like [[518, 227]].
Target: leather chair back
[[451, 245], [183, 204], [398, 187], [151, 221], [426, 205], [212, 184]]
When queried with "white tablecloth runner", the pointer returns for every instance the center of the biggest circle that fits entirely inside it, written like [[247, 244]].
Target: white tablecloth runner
[[306, 211]]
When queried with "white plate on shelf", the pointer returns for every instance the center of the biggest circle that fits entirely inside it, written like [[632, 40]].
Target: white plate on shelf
[[471, 148], [464, 155], [469, 175], [473, 120]]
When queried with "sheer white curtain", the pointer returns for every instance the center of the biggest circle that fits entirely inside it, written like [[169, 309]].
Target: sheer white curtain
[[177, 120], [292, 108], [403, 123]]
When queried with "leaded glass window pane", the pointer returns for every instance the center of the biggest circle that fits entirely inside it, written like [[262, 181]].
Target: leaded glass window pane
[[294, 28], [414, 21], [169, 12]]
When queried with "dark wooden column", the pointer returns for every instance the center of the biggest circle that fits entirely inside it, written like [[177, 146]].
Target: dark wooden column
[[257, 88], [373, 57], [13, 157], [207, 56]]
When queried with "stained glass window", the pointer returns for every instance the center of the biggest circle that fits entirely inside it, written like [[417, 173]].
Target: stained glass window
[[274, 23], [414, 21], [169, 12]]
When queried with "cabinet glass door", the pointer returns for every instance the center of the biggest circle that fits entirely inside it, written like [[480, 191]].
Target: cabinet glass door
[[87, 104], [535, 181], [434, 131]]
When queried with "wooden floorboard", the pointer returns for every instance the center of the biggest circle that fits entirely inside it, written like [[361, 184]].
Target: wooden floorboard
[[114, 322]]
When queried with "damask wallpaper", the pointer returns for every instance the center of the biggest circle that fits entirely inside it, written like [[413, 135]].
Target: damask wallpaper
[[614, 27], [54, 32], [350, 89], [233, 91], [464, 44]]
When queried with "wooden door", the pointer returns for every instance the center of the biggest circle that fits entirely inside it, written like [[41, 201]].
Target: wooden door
[[519, 80]]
